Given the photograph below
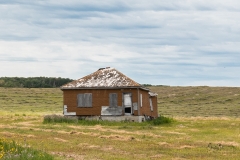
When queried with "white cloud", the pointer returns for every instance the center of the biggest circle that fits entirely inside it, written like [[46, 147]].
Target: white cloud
[[162, 42]]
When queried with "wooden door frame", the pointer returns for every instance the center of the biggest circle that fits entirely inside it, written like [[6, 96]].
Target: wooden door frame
[[124, 105]]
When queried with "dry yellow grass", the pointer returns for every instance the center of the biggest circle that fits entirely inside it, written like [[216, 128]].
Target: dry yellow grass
[[198, 101], [199, 137]]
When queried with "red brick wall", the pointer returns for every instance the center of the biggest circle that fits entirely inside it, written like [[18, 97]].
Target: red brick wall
[[100, 97], [146, 109], [155, 107]]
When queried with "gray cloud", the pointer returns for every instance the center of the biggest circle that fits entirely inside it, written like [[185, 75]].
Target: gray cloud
[[162, 42]]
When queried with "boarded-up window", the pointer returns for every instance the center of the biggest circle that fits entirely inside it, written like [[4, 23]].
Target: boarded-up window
[[113, 100], [141, 99], [84, 100], [80, 100], [88, 99], [151, 106]]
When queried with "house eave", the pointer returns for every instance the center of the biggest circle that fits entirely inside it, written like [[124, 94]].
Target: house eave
[[121, 87]]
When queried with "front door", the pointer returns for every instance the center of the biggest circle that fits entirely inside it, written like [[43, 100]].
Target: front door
[[127, 102]]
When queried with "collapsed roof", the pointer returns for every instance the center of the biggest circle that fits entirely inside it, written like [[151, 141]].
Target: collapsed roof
[[104, 77]]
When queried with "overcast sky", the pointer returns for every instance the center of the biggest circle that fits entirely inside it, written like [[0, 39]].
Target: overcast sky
[[173, 42]]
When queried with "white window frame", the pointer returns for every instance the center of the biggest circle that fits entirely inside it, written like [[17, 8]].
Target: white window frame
[[141, 100], [151, 106]]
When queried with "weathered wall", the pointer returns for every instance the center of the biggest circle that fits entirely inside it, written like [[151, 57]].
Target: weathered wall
[[100, 97], [146, 109], [155, 107]]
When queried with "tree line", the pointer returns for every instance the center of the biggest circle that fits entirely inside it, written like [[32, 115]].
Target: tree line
[[33, 82]]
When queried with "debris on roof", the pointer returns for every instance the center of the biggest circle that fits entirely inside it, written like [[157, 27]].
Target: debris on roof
[[152, 94], [103, 77]]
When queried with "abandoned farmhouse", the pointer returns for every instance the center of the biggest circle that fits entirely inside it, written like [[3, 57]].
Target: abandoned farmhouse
[[108, 94]]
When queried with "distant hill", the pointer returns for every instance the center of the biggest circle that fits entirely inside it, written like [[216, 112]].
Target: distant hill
[[33, 82]]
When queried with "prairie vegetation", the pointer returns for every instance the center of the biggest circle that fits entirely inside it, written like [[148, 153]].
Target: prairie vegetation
[[207, 126], [198, 101]]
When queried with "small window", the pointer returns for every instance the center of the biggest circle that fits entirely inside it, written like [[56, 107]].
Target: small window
[[151, 106], [84, 100], [113, 100]]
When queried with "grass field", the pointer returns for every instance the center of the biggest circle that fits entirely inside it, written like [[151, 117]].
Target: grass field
[[198, 101], [207, 126]]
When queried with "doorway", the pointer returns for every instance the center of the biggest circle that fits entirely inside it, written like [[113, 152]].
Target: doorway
[[127, 103]]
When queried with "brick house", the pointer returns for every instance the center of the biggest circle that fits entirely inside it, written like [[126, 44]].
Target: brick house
[[108, 94]]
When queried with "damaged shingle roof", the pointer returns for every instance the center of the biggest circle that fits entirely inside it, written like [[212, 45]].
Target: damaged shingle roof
[[104, 77]]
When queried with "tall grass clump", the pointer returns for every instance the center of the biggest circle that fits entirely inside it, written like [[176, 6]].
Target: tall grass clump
[[59, 119], [74, 120], [10, 150], [161, 120]]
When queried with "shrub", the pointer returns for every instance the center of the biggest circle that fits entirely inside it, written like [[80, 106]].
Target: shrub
[[161, 120]]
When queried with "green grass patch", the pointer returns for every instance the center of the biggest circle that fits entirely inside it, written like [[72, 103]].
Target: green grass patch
[[10, 150], [73, 120], [161, 120]]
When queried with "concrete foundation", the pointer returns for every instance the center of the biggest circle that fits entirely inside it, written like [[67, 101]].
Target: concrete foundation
[[113, 118]]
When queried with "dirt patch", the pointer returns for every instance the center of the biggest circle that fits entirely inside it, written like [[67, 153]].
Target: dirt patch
[[25, 123], [117, 137], [194, 130], [86, 145], [109, 148], [118, 131], [186, 147], [105, 148], [2, 126], [223, 143], [8, 134], [30, 136], [177, 158], [98, 127], [62, 132], [93, 146], [164, 144], [73, 132], [157, 156], [75, 127], [69, 156], [60, 140], [84, 133], [194, 119], [178, 133]]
